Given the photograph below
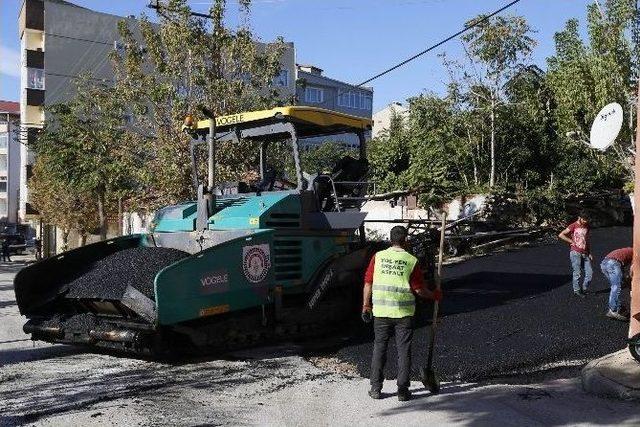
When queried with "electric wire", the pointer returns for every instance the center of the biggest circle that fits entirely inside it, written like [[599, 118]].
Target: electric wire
[[475, 23]]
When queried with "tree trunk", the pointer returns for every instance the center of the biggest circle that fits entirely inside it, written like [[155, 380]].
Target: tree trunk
[[120, 218], [82, 239], [102, 216], [65, 239], [473, 159], [492, 173]]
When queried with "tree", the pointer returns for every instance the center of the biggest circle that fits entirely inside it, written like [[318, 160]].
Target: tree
[[413, 153], [84, 150], [180, 66], [497, 47], [58, 203], [585, 76], [323, 157]]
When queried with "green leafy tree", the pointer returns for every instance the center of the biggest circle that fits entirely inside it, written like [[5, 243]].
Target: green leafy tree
[[179, 66], [585, 76], [323, 157], [84, 147], [59, 203], [497, 48]]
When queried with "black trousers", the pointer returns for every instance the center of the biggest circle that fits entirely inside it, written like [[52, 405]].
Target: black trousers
[[384, 328]]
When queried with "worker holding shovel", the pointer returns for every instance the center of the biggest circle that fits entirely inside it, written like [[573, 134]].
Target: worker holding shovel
[[391, 281]]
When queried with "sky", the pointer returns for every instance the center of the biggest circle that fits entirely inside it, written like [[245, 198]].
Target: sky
[[351, 40]]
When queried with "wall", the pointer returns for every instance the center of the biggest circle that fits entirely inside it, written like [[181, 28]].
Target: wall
[[331, 90], [382, 118]]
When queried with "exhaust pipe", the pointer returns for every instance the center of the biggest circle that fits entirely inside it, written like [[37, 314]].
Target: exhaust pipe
[[51, 331]]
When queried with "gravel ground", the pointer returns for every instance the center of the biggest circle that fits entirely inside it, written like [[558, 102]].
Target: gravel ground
[[515, 312], [109, 277]]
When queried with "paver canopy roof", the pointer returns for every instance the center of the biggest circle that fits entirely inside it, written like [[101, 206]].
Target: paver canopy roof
[[310, 120]]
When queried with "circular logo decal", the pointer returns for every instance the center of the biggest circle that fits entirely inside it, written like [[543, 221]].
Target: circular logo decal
[[256, 262]]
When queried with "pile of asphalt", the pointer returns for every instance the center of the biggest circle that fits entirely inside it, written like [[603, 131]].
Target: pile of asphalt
[[109, 277], [513, 313]]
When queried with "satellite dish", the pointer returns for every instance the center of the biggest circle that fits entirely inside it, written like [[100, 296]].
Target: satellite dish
[[606, 126]]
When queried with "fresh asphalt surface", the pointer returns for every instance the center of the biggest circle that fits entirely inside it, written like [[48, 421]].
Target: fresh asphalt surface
[[513, 313]]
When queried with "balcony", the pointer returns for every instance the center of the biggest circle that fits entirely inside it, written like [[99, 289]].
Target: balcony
[[35, 97], [32, 15], [35, 59], [35, 78]]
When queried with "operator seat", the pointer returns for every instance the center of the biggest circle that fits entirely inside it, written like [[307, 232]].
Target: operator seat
[[268, 180], [346, 169]]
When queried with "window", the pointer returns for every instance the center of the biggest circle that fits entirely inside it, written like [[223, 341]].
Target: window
[[355, 100], [3, 162], [313, 94], [3, 186], [4, 139], [282, 79], [35, 78]]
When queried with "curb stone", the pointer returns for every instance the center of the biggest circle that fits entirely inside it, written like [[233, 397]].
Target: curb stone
[[615, 375]]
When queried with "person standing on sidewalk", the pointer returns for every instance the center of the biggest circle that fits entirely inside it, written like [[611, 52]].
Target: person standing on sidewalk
[[391, 280], [613, 266], [577, 236]]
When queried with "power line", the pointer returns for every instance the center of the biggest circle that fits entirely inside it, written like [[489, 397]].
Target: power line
[[79, 39], [440, 43], [427, 50]]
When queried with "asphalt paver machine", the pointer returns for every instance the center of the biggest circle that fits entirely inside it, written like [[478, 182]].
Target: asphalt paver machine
[[243, 264]]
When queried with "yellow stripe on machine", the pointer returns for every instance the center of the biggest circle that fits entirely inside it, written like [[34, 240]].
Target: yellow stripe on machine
[[301, 114], [216, 309]]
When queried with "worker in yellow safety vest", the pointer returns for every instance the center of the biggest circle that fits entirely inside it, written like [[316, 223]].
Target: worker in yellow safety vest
[[391, 282]]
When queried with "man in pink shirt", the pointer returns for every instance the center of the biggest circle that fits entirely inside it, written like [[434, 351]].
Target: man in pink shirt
[[613, 266], [577, 236]]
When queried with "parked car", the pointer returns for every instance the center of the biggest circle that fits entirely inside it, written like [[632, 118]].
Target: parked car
[[17, 243]]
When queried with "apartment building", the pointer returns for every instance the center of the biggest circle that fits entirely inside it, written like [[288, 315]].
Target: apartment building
[[9, 161], [382, 118], [317, 90]]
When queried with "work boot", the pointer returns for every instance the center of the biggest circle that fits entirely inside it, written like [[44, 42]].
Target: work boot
[[616, 316], [375, 394], [404, 395]]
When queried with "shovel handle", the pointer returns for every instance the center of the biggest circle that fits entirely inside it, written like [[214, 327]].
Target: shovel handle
[[438, 286], [441, 249]]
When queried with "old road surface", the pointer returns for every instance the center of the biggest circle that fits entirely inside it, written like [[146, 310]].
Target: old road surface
[[506, 317]]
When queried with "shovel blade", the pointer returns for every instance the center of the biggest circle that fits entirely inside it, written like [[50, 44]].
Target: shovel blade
[[430, 380]]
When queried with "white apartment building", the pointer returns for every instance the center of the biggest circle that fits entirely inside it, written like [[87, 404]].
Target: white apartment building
[[382, 118], [9, 161]]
